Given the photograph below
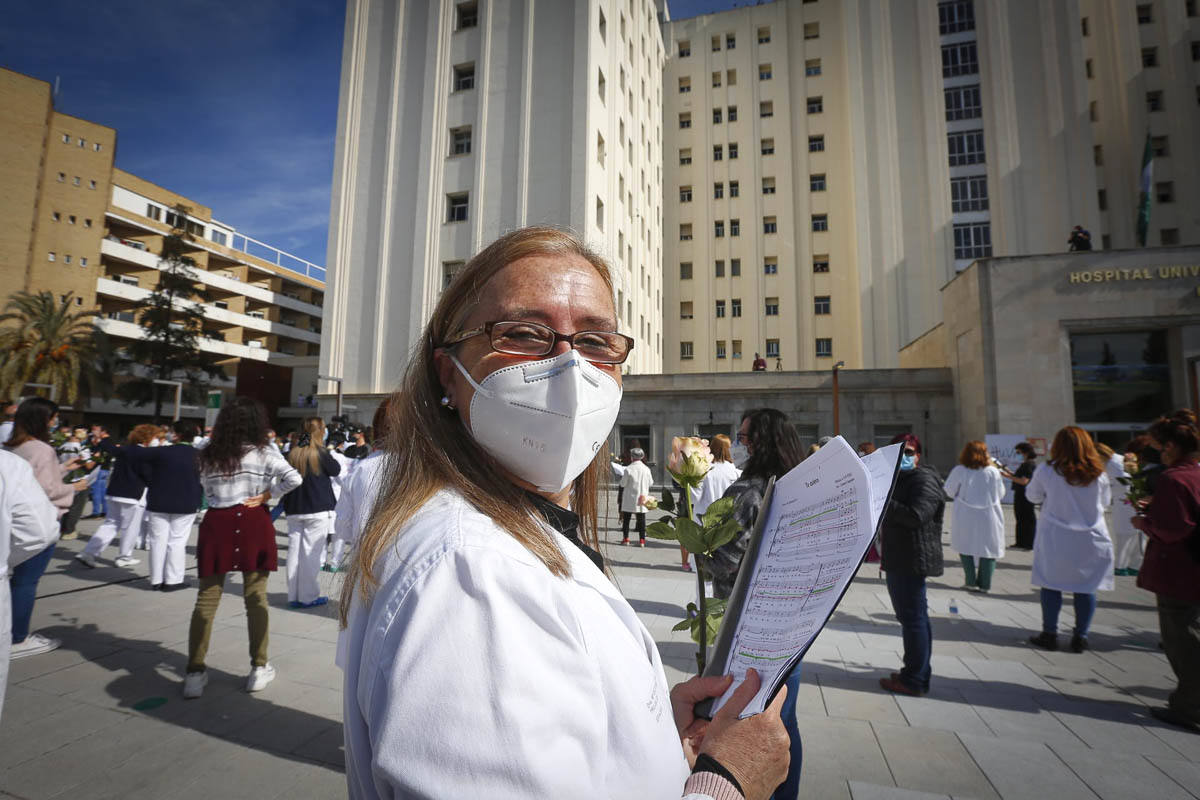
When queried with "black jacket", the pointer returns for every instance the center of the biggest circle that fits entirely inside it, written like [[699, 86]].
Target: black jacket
[[123, 480], [316, 493], [724, 564], [172, 479], [911, 536]]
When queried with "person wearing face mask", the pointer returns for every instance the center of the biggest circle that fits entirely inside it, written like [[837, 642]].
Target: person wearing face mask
[[911, 544], [486, 654], [635, 486]]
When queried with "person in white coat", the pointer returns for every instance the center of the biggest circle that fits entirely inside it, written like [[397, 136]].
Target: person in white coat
[[485, 652], [1072, 551], [720, 477], [359, 491], [28, 525], [636, 485], [1126, 539], [976, 518]]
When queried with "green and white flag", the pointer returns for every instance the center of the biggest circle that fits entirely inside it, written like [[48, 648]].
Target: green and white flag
[[1143, 214]]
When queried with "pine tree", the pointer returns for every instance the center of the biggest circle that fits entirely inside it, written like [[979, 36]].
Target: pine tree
[[172, 322]]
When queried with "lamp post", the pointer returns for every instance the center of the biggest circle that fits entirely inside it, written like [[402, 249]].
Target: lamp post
[[338, 381], [178, 395], [837, 416]]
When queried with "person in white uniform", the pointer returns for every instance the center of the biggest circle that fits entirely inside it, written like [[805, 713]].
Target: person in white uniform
[[635, 484], [485, 653], [126, 502], [1071, 551], [359, 492], [976, 518], [309, 514], [1126, 539], [720, 477]]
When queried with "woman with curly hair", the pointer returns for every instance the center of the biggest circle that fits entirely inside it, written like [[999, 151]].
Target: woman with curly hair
[[126, 500], [976, 519], [1072, 551]]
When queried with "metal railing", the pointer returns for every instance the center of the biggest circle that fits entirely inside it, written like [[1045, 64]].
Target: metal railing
[[273, 255]]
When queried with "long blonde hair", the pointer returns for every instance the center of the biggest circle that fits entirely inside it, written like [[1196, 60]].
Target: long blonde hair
[[307, 459], [429, 448]]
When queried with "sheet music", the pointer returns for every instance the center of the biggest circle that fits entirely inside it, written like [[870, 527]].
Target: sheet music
[[822, 517]]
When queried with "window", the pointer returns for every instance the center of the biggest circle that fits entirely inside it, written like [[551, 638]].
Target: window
[[966, 147], [816, 144], [973, 240], [719, 268], [220, 237], [684, 47], [770, 265], [716, 116], [737, 348], [821, 304], [1088, 69], [685, 270], [812, 67], [772, 307], [824, 348], [730, 41], [96, 147], [685, 350], [1164, 192], [969, 194], [600, 150], [67, 259], [467, 16], [685, 309], [735, 307], [720, 309], [460, 142], [770, 225], [764, 35], [716, 80], [153, 212], [51, 256], [66, 138], [1149, 56], [1145, 13], [456, 207], [685, 194], [599, 213], [956, 16], [1098, 155], [733, 150], [820, 263], [62, 176], [962, 102], [720, 348], [733, 188], [54, 215], [76, 180], [464, 77], [735, 267], [1168, 237], [768, 147], [91, 184], [766, 109], [685, 232], [685, 156], [685, 85], [685, 120], [1093, 114], [735, 227], [130, 280], [718, 152], [959, 59], [812, 30], [719, 229], [764, 72], [1189, 7], [1159, 146], [731, 77], [603, 27], [768, 186], [1154, 101], [82, 142], [816, 183], [718, 191], [716, 44], [772, 348], [601, 84], [815, 106], [1102, 199], [1083, 26], [1196, 51], [820, 222]]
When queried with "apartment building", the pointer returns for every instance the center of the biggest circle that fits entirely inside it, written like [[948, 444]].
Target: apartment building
[[459, 121], [75, 224]]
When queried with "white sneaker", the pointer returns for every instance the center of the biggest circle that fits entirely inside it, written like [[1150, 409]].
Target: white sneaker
[[127, 561], [259, 678], [86, 559], [193, 684], [34, 644]]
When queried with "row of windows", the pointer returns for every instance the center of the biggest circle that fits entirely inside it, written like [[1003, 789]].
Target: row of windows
[[816, 144], [812, 30], [821, 306], [62, 178], [816, 183], [960, 59], [820, 222], [57, 217], [823, 348], [770, 267], [956, 16], [1164, 192], [96, 146], [52, 256]]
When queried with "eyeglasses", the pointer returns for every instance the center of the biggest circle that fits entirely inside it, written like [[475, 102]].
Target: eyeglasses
[[534, 339]]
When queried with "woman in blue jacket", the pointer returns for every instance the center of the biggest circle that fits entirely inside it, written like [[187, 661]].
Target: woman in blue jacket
[[309, 514]]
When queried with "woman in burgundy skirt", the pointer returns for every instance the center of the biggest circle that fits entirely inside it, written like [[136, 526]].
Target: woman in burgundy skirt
[[238, 471]]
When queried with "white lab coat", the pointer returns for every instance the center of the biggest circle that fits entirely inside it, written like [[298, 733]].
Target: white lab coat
[[636, 482], [722, 475], [359, 491], [1127, 546], [976, 518], [1072, 551], [474, 672]]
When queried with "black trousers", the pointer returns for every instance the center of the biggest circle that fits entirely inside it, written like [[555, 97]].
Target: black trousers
[[1180, 626], [1026, 522], [641, 524], [71, 518]]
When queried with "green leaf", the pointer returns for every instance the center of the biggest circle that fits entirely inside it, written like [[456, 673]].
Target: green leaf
[[668, 501], [683, 625], [690, 535], [723, 534], [660, 530], [716, 513], [715, 606]]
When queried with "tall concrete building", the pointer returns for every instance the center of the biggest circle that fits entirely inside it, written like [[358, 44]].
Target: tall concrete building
[[74, 224], [459, 121]]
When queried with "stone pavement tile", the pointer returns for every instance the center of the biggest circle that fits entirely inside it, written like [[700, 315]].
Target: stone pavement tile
[[1118, 775], [1185, 773], [808, 697], [1082, 683], [950, 667], [1183, 742], [836, 750], [326, 748], [1018, 716], [861, 698], [953, 714], [863, 659], [22, 705], [165, 769], [932, 761], [1025, 769], [870, 791], [19, 744], [93, 674], [1108, 726], [312, 782], [24, 669], [249, 774], [1012, 672]]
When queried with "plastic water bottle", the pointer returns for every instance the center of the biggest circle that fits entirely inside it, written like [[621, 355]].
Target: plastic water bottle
[[953, 606]]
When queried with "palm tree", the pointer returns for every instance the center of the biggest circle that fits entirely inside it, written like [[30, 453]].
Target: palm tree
[[44, 341]]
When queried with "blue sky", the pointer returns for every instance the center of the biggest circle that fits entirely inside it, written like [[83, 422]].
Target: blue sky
[[232, 103]]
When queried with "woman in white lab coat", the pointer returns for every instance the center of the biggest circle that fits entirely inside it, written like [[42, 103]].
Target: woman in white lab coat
[[1071, 551], [976, 518], [1126, 539], [485, 653]]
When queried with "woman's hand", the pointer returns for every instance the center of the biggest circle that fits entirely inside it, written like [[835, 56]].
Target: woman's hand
[[754, 749], [684, 697], [1139, 523], [257, 500]]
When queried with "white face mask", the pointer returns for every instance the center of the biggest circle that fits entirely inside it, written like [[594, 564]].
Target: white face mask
[[544, 420]]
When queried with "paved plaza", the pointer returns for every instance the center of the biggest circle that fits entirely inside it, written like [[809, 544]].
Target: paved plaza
[[102, 716]]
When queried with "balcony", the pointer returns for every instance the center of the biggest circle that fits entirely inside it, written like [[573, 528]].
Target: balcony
[[130, 330]]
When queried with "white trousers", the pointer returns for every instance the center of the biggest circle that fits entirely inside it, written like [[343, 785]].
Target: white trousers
[[168, 538], [122, 518], [5, 636], [1127, 549], [306, 546]]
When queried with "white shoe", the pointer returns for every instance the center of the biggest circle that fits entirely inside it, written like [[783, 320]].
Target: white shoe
[[193, 684], [86, 559], [259, 678], [127, 561], [34, 644]]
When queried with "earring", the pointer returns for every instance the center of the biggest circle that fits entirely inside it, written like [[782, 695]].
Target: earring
[[446, 403]]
